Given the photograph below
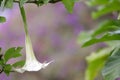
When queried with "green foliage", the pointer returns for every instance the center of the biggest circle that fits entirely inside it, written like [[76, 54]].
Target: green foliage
[[2, 19], [6, 3], [97, 2], [69, 4], [83, 37], [9, 4], [7, 69], [107, 26], [104, 32], [107, 37], [96, 62], [109, 32], [111, 71], [104, 7], [46, 1], [19, 64], [12, 53]]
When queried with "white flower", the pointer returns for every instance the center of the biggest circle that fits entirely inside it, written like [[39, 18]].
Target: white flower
[[31, 64]]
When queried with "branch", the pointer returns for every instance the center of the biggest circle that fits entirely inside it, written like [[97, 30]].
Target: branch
[[54, 1], [35, 1]]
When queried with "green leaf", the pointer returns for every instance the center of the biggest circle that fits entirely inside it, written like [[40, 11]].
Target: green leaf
[[114, 44], [106, 26], [1, 62], [97, 2], [69, 4], [83, 37], [111, 71], [46, 1], [12, 53], [113, 6], [96, 62], [107, 37], [7, 69], [2, 19], [19, 64], [9, 4]]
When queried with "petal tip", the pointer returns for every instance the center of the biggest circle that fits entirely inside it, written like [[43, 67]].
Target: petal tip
[[46, 64]]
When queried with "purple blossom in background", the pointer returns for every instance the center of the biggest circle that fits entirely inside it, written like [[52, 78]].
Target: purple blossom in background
[[56, 40], [66, 19], [73, 20]]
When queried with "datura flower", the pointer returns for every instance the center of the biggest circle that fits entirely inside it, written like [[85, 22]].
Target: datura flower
[[31, 63]]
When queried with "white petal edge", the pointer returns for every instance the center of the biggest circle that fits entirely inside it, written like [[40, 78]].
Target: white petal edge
[[34, 66]]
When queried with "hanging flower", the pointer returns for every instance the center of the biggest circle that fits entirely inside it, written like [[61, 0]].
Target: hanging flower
[[31, 63]]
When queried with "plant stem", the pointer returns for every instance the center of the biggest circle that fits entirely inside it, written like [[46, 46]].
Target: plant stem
[[24, 19], [51, 1]]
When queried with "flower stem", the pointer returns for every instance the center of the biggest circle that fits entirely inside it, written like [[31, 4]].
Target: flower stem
[[24, 19], [28, 43]]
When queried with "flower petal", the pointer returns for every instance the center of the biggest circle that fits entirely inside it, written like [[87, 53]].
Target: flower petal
[[32, 66]]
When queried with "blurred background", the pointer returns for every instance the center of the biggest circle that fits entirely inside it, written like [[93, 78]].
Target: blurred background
[[54, 34]]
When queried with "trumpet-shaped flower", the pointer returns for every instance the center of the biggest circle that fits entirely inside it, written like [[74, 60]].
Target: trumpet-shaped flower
[[31, 64]]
